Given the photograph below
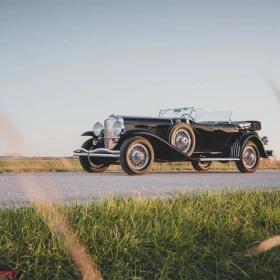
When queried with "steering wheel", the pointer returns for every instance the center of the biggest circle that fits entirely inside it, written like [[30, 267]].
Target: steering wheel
[[188, 115]]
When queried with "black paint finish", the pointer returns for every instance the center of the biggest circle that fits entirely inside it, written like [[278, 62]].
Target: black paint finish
[[133, 122], [213, 139], [162, 149], [88, 133]]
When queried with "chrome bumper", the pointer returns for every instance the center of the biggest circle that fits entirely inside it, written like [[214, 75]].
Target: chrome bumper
[[101, 152]]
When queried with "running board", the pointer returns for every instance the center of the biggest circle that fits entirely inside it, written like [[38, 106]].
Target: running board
[[218, 159]]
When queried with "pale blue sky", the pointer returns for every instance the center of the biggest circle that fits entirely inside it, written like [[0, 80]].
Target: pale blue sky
[[65, 64]]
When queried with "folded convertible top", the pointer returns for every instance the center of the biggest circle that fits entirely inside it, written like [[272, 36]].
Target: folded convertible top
[[252, 125]]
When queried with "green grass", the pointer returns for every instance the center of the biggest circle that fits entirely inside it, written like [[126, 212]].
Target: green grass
[[73, 165], [190, 236]]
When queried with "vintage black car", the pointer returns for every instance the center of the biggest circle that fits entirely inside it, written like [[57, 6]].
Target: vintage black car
[[176, 135]]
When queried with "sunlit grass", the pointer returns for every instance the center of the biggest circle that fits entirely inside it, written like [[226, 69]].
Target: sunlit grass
[[73, 165], [39, 165], [190, 236]]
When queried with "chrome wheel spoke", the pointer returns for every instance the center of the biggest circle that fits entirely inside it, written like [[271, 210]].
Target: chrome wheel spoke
[[182, 140], [138, 156], [249, 157]]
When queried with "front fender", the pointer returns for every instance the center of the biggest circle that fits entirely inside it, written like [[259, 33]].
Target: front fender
[[162, 149], [254, 137], [89, 133]]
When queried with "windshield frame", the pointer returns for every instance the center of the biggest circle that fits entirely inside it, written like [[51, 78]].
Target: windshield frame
[[177, 113], [197, 115]]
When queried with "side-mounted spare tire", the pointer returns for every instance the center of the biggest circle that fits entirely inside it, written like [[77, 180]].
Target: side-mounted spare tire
[[91, 164], [181, 136]]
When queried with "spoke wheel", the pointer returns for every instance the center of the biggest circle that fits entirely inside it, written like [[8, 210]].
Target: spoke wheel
[[201, 166], [136, 156], [91, 164], [182, 137], [250, 158]]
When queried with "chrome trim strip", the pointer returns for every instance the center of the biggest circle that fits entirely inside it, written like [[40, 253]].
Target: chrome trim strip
[[238, 151], [235, 149], [101, 152], [96, 155], [98, 151], [218, 159]]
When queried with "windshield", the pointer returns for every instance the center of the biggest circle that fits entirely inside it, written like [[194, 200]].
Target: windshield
[[196, 114], [177, 113], [214, 116]]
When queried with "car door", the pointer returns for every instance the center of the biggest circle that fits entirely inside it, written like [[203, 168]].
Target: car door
[[221, 133], [204, 136]]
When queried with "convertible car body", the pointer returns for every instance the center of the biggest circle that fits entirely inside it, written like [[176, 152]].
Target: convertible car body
[[176, 135]]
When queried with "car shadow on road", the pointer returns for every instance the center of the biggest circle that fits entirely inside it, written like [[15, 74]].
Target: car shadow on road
[[120, 173]]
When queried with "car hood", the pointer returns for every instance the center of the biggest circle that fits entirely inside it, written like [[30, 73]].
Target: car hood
[[150, 121]]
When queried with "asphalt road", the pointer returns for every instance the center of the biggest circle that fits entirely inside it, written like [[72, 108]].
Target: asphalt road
[[18, 188]]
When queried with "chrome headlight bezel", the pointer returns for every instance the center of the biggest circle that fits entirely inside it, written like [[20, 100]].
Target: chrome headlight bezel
[[118, 128], [97, 129], [265, 140]]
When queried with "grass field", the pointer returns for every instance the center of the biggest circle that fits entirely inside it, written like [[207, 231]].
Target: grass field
[[73, 165], [191, 236]]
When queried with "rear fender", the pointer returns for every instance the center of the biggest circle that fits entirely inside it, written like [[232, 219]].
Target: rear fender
[[254, 137], [162, 149]]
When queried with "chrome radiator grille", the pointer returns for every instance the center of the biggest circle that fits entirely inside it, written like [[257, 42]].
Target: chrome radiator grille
[[109, 134]]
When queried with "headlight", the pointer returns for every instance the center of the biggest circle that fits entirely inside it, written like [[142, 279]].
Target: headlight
[[265, 140], [117, 128], [97, 129]]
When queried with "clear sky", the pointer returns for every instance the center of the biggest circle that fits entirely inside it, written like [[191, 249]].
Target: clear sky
[[65, 64]]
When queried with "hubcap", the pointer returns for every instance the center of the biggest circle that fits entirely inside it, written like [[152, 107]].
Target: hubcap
[[138, 156], [249, 157], [182, 140]]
